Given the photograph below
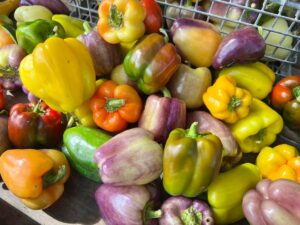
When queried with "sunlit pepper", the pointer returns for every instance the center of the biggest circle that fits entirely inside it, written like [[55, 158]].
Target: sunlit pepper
[[282, 161], [226, 101], [37, 177], [121, 20]]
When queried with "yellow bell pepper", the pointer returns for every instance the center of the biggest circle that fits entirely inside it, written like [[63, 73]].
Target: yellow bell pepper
[[72, 26], [226, 101], [60, 72], [7, 6], [257, 78], [282, 161], [121, 20], [258, 129]]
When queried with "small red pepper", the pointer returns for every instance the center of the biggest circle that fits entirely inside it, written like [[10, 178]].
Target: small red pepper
[[34, 126], [285, 98], [154, 18]]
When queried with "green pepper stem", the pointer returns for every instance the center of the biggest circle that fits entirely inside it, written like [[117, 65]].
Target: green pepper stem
[[164, 32], [191, 216], [193, 131], [52, 177], [113, 104], [234, 103], [152, 214], [87, 27], [166, 92], [36, 108], [115, 17], [296, 93]]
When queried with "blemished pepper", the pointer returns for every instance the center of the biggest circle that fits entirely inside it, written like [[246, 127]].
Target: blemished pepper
[[114, 106], [259, 129], [190, 162], [151, 63], [29, 34], [226, 101], [225, 193], [37, 177], [80, 145], [63, 81], [121, 20], [285, 98], [280, 162], [34, 125], [257, 78], [73, 27]]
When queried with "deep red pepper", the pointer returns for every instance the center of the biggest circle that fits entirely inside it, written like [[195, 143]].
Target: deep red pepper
[[1, 97], [285, 98], [154, 18], [34, 126]]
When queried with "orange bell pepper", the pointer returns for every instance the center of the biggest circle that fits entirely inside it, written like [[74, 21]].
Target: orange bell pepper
[[282, 161], [37, 177], [114, 106]]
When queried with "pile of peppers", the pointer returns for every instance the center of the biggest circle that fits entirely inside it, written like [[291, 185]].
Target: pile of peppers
[[164, 122]]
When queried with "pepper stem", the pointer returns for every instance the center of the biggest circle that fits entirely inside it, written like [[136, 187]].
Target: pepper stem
[[113, 104], [87, 27], [115, 17], [190, 216], [234, 103], [260, 136], [36, 108], [152, 214], [164, 32], [193, 131], [52, 177], [166, 92], [296, 93]]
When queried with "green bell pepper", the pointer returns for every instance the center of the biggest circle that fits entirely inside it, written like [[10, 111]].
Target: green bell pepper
[[191, 161], [80, 145], [30, 34], [225, 193]]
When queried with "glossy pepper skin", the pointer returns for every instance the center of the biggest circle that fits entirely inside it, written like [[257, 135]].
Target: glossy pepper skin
[[73, 27], [37, 177], [285, 98], [225, 193], [190, 162], [70, 77], [282, 161], [154, 18], [121, 20], [163, 114], [7, 6], [273, 203], [31, 33], [259, 129], [257, 78], [151, 63], [80, 144], [226, 101], [114, 106], [33, 126]]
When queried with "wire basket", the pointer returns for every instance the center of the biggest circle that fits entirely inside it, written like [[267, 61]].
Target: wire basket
[[229, 15]]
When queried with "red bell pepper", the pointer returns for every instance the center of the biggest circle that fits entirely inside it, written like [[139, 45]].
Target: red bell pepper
[[285, 98], [154, 18], [34, 126]]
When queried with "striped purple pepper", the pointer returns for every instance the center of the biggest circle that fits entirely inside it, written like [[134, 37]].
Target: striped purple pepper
[[130, 158], [163, 114]]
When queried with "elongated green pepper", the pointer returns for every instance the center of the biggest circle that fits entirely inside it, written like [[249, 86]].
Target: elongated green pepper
[[191, 161], [80, 144]]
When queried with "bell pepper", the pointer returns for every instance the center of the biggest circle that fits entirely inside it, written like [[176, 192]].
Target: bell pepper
[[84, 115], [259, 129], [154, 18], [114, 106], [285, 98], [274, 203], [29, 34], [70, 77], [37, 177], [7, 6], [7, 35], [32, 126], [151, 63], [191, 161], [131, 157], [163, 114], [80, 144], [226, 101], [190, 84], [31, 13], [225, 193], [257, 78], [121, 20], [282, 161], [72, 26], [56, 6]]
